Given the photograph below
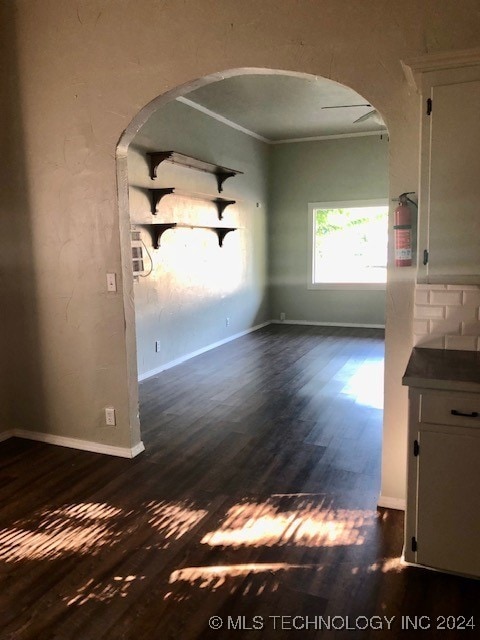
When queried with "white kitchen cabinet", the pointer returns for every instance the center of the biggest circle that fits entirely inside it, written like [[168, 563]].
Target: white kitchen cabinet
[[442, 520], [449, 197], [453, 240]]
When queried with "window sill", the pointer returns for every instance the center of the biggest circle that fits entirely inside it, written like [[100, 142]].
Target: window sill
[[348, 286]]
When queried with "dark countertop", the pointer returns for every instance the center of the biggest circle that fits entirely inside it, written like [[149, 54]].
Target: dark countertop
[[443, 369]]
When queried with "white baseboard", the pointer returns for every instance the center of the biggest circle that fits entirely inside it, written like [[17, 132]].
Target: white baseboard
[[188, 356], [137, 449], [392, 503], [313, 323], [125, 452], [76, 443]]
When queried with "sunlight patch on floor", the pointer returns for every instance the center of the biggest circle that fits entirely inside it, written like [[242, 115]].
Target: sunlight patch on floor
[[87, 511], [215, 577], [293, 520], [173, 520], [366, 384], [86, 528], [79, 528], [386, 565], [18, 544], [105, 591]]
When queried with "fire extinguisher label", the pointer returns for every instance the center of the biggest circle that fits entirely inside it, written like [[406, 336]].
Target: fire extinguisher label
[[403, 254], [403, 247]]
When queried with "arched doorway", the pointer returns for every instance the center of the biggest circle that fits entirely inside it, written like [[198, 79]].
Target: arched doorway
[[131, 136]]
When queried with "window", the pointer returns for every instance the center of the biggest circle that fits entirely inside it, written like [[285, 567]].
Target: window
[[348, 244]]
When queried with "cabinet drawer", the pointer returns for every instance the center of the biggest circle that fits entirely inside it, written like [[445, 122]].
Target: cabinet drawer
[[457, 409]]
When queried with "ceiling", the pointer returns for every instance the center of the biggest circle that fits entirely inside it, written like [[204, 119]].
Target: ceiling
[[282, 107]]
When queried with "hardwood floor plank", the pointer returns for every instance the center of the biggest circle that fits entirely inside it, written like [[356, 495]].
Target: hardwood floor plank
[[256, 496]]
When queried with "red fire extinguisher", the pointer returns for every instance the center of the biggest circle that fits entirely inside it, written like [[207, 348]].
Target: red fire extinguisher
[[402, 225]]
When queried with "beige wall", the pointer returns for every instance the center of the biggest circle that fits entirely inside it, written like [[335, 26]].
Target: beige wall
[[21, 379], [196, 285], [85, 69], [320, 171]]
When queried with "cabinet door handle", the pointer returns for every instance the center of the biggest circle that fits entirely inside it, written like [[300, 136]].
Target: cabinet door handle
[[472, 414]]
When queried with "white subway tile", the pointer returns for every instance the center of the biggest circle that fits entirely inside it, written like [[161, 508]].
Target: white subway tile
[[464, 287], [420, 327], [422, 296], [444, 327], [446, 297], [437, 287], [423, 312], [431, 342], [462, 343], [471, 298], [464, 314], [471, 328]]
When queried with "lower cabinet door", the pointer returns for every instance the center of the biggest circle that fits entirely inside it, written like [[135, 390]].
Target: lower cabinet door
[[448, 505]]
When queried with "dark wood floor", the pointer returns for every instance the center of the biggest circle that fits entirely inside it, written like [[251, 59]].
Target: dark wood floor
[[256, 496]]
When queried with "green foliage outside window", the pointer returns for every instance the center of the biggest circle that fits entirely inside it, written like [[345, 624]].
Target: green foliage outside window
[[350, 244], [328, 220]]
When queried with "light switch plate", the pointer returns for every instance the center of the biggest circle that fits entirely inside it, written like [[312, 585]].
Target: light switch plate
[[112, 282]]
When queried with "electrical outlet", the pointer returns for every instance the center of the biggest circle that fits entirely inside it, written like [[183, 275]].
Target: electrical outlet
[[227, 322], [283, 316], [157, 346], [110, 416]]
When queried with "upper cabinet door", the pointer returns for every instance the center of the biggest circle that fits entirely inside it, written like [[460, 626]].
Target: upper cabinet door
[[451, 178]]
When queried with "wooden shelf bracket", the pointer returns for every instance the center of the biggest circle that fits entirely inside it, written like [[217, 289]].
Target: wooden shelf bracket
[[221, 173], [157, 194]]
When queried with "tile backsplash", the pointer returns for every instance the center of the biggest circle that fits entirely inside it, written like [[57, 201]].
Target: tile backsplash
[[447, 316]]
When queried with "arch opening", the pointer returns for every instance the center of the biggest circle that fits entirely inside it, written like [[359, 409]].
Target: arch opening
[[182, 97]]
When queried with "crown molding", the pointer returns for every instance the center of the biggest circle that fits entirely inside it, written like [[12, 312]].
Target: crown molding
[[222, 119], [234, 125], [413, 68], [333, 136]]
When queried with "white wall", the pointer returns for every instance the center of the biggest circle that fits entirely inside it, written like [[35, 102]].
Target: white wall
[[195, 284], [85, 70], [320, 171]]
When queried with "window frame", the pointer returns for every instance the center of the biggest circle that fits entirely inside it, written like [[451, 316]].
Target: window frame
[[337, 204]]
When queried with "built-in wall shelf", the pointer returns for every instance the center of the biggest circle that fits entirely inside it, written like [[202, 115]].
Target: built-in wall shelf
[[158, 229], [221, 173], [157, 194]]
